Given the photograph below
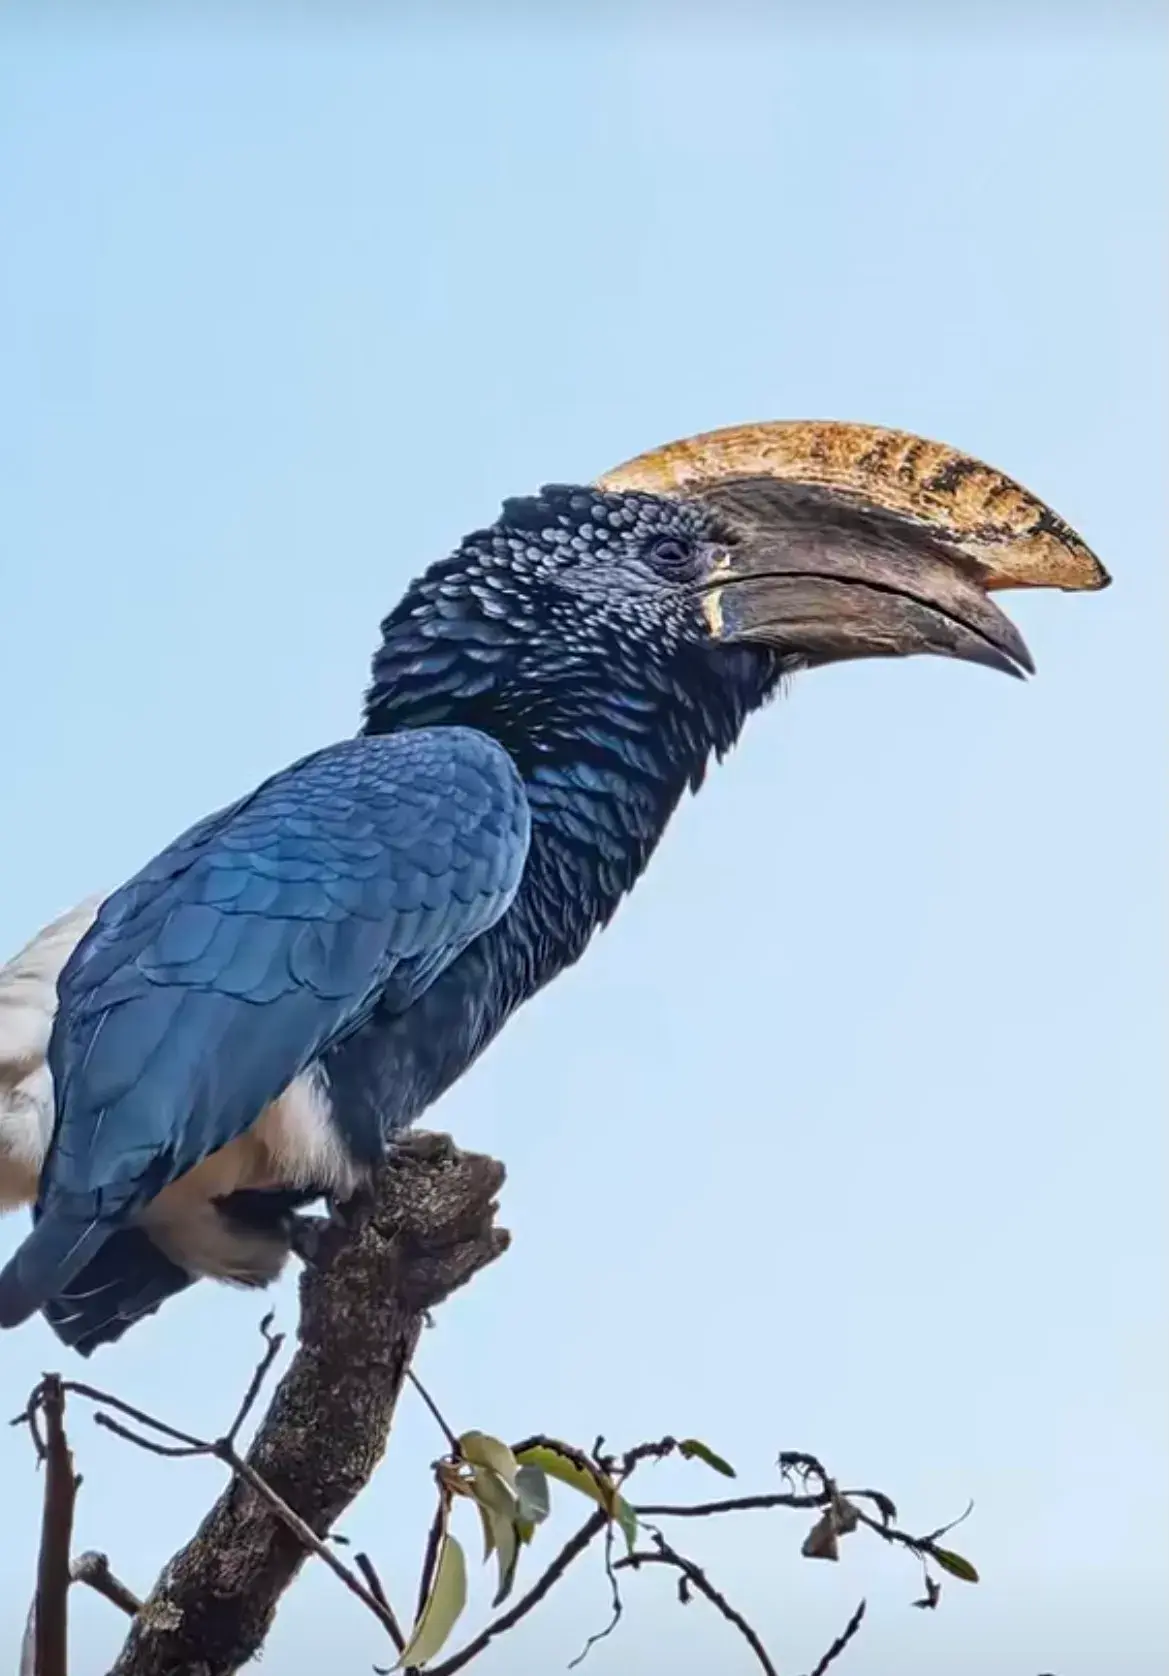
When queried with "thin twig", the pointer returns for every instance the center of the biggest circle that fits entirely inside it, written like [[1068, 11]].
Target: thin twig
[[51, 1632], [934, 1537], [106, 1399], [30, 1418], [658, 1451], [376, 1588], [452, 1440], [737, 1504], [223, 1449], [917, 1545], [273, 1344], [573, 1548], [842, 1640], [695, 1575], [617, 1605], [434, 1538], [170, 1451], [921, 1546]]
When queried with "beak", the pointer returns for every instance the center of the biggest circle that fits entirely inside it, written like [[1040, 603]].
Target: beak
[[844, 541], [824, 581]]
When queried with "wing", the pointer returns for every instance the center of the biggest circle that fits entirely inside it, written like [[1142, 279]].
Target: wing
[[258, 939]]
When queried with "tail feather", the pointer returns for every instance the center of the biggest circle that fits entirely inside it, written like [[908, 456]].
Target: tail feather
[[128, 1279], [58, 1248]]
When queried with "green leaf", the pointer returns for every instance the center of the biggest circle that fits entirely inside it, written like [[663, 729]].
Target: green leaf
[[488, 1524], [534, 1501], [507, 1547], [445, 1602], [954, 1564], [496, 1503], [481, 1450], [692, 1448], [627, 1520], [499, 1512], [571, 1468]]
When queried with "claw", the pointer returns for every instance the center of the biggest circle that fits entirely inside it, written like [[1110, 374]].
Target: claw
[[353, 1213], [318, 1240]]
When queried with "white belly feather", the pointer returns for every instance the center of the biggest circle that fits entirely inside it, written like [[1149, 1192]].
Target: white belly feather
[[292, 1144]]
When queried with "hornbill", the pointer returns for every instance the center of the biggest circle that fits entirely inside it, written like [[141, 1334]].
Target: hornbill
[[246, 1025]]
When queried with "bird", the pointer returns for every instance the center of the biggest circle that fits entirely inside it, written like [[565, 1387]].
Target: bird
[[250, 1022]]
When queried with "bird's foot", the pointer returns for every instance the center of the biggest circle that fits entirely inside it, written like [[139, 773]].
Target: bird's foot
[[319, 1240], [354, 1212], [316, 1240], [420, 1146]]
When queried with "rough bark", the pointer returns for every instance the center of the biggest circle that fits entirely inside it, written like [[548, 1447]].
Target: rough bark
[[329, 1420]]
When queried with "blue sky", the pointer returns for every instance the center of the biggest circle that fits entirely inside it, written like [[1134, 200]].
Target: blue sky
[[848, 1135]]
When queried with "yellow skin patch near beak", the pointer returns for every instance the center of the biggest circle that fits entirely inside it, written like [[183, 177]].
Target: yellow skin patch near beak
[[1014, 538], [712, 602]]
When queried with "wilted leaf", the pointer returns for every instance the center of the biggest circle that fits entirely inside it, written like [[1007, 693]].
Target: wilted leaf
[[446, 1600], [933, 1593], [569, 1469], [954, 1564], [534, 1502], [481, 1450], [846, 1516], [884, 1504], [820, 1542], [795, 1463], [692, 1448]]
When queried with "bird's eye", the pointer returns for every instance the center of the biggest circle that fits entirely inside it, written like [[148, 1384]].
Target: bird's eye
[[672, 554]]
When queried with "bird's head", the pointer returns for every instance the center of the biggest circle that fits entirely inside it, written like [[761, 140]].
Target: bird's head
[[673, 593]]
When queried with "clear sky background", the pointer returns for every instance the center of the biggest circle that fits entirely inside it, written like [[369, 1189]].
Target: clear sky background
[[849, 1135]]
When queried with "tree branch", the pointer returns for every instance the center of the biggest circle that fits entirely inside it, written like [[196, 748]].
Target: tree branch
[[50, 1613], [94, 1569], [326, 1428], [573, 1548], [734, 1504], [693, 1576], [842, 1640]]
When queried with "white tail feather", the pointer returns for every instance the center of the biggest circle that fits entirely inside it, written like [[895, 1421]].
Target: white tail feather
[[28, 1005]]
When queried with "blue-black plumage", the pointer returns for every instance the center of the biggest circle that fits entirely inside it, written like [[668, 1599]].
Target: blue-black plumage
[[253, 945], [251, 1019]]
